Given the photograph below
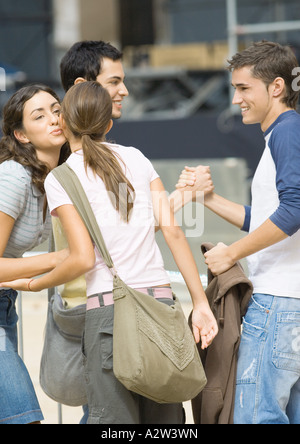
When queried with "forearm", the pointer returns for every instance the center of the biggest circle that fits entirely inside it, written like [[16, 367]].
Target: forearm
[[231, 212], [263, 237], [11, 269], [177, 243], [179, 198], [69, 270], [184, 259], [81, 257]]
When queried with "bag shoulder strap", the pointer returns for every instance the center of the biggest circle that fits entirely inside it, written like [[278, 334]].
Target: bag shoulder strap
[[70, 182]]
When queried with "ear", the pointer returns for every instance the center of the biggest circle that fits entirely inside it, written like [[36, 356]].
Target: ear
[[79, 80], [109, 127], [278, 86], [21, 136]]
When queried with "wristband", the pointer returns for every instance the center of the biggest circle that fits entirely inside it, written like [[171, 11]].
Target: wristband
[[29, 283]]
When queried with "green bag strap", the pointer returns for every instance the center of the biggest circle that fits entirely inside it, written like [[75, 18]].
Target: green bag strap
[[70, 182]]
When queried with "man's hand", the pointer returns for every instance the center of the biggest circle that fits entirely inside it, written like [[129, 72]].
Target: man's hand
[[218, 259], [196, 179]]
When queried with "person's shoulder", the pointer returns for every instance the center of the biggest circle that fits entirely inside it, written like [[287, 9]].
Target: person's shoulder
[[288, 122], [285, 138], [286, 131], [12, 165], [129, 151], [14, 170]]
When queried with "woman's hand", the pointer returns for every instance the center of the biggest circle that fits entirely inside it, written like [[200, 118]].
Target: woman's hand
[[196, 179], [205, 327]]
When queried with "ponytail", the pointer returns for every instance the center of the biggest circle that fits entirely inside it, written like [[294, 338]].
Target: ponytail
[[106, 164], [87, 111]]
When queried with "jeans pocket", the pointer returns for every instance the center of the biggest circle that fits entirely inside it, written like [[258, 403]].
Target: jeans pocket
[[286, 350], [254, 334], [258, 312], [106, 347], [249, 354]]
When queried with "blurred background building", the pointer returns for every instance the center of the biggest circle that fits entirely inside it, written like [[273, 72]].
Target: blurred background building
[[175, 54]]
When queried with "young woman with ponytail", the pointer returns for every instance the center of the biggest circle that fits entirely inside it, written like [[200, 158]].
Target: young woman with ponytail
[[128, 199], [32, 145]]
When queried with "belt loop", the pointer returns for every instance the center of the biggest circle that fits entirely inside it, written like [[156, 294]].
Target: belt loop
[[150, 291], [101, 300]]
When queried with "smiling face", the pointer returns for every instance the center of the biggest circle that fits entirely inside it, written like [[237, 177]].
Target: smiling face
[[112, 79], [252, 96], [259, 103]]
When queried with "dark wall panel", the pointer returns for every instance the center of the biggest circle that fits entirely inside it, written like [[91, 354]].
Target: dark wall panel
[[197, 137], [25, 37]]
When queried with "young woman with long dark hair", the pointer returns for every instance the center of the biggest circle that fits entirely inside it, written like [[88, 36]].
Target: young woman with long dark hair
[[32, 145]]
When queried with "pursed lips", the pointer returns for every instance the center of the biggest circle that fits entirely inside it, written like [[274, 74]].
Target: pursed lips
[[56, 132]]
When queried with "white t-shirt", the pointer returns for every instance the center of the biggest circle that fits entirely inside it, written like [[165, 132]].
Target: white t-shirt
[[132, 246], [276, 195]]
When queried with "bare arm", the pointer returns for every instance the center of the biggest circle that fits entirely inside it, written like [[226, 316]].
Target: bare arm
[[80, 259], [191, 179], [222, 257], [204, 323], [25, 267], [228, 210]]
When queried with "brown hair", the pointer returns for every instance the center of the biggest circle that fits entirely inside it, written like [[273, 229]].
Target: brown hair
[[25, 153], [87, 111], [268, 61]]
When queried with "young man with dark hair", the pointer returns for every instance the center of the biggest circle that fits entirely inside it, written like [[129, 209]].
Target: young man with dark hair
[[100, 61], [268, 375], [96, 61]]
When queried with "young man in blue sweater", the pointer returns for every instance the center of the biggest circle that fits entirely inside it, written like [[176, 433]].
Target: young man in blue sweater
[[268, 375]]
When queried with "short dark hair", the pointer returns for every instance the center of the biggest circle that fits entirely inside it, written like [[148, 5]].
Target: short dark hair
[[84, 60], [268, 61]]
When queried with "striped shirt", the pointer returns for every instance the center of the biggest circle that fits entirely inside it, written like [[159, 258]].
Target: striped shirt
[[23, 202]]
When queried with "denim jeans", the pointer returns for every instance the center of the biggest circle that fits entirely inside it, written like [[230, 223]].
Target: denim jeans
[[18, 402], [268, 374]]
